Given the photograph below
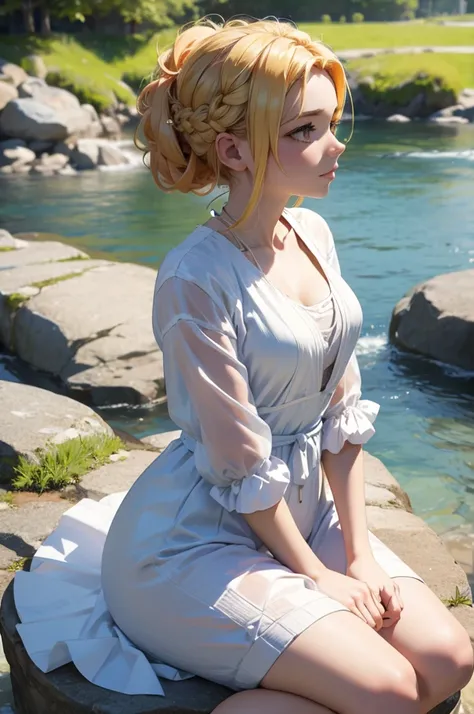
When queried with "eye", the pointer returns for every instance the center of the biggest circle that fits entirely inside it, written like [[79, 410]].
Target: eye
[[305, 130]]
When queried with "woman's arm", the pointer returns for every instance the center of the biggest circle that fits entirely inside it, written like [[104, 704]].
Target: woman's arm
[[345, 474], [276, 527]]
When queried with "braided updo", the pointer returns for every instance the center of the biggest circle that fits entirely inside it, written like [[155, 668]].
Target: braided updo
[[224, 78]]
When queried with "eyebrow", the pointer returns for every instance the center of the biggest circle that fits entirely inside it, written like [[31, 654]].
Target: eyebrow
[[309, 113]]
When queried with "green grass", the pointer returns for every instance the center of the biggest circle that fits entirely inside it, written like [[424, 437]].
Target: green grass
[[6, 249], [455, 71], [93, 66], [52, 281], [62, 464], [18, 565], [14, 301], [458, 599]]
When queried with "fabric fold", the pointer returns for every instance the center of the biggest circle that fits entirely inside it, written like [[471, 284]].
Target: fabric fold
[[354, 424], [257, 492]]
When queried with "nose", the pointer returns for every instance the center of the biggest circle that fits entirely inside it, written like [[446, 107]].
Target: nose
[[338, 148]]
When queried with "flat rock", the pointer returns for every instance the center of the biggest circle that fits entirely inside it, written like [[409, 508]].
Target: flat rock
[[31, 119], [39, 252], [410, 538], [7, 93], [436, 319], [8, 241], [15, 279], [112, 478], [377, 474], [22, 530], [381, 497], [13, 72], [30, 417], [95, 333], [161, 441]]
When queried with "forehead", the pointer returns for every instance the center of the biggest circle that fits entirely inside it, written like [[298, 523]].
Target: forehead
[[320, 94]]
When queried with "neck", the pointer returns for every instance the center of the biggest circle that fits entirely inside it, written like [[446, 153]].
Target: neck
[[261, 229]]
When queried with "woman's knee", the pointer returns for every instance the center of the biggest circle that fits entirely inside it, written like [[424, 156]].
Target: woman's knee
[[452, 655], [394, 687]]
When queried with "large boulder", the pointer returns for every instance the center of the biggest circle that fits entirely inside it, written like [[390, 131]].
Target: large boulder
[[90, 153], [35, 65], [12, 72], [32, 417], [86, 322], [436, 319], [54, 97], [7, 93], [30, 119]]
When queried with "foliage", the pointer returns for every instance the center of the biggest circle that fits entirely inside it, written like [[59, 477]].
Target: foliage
[[326, 19], [458, 599], [357, 17], [14, 301], [63, 464], [18, 564], [342, 19]]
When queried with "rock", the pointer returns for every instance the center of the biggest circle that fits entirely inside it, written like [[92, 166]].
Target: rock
[[30, 119], [55, 162], [7, 93], [86, 155], [111, 156], [436, 319], [114, 477], [107, 354], [110, 126], [447, 112], [65, 690], [466, 98], [398, 119], [40, 147], [62, 148], [376, 474], [34, 521], [58, 99], [18, 167], [67, 171], [16, 74], [20, 155], [8, 241], [39, 252], [31, 417], [410, 538], [449, 120], [161, 441], [35, 66], [91, 112]]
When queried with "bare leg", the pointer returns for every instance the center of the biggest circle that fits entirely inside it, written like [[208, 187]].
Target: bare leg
[[343, 664], [433, 641], [263, 701]]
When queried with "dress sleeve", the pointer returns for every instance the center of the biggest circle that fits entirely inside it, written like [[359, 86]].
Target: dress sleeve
[[348, 417], [210, 399]]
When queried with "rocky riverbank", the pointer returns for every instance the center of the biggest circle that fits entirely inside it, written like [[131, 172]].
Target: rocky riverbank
[[45, 130]]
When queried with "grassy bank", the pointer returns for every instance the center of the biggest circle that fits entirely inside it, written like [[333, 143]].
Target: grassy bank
[[95, 67], [456, 72]]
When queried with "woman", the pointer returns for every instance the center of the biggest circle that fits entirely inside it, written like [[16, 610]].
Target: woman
[[228, 558]]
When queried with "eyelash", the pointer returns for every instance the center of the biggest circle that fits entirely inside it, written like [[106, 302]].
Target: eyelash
[[310, 127]]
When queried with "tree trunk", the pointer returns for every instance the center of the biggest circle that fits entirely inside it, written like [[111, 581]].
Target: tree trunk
[[133, 27], [28, 16], [45, 21]]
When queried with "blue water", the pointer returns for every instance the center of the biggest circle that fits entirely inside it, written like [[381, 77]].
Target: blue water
[[401, 210]]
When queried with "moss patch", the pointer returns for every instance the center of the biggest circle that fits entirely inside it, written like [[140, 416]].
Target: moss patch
[[6, 249], [52, 281], [68, 260], [7, 498], [59, 465], [14, 301]]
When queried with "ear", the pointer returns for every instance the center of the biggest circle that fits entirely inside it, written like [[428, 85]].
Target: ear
[[231, 152]]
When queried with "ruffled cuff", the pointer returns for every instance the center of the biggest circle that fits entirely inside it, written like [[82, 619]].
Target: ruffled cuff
[[353, 424], [257, 492]]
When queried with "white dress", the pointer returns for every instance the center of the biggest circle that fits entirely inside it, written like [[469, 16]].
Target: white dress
[[169, 579]]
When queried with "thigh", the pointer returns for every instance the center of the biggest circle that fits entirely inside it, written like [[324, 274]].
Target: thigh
[[342, 663]]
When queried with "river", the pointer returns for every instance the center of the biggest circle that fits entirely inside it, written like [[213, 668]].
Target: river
[[401, 210]]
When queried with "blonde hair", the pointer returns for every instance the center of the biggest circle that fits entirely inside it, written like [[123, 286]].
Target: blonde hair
[[232, 78]]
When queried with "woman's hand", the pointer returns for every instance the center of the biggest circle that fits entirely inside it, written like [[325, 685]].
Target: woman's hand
[[354, 594], [384, 589]]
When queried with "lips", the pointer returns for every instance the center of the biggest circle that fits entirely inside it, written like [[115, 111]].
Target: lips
[[331, 171]]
